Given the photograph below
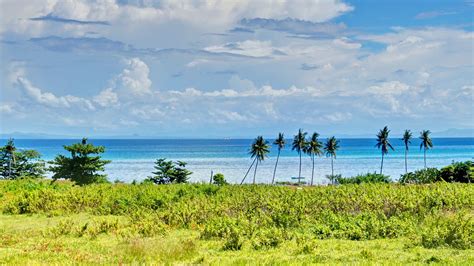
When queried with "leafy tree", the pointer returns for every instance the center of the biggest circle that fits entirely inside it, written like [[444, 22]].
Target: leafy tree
[[16, 164], [462, 172], [259, 151], [280, 142], [168, 172], [330, 148], [383, 143], [364, 178], [82, 167], [299, 144], [313, 148], [426, 143], [219, 179], [407, 135], [423, 176]]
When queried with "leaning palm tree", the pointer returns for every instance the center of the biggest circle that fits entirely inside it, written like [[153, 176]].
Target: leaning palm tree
[[313, 148], [280, 142], [383, 143], [426, 142], [299, 144], [259, 151], [407, 135], [330, 148]]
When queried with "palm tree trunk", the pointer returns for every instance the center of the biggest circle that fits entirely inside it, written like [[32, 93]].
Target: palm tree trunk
[[299, 174], [332, 166], [255, 172], [406, 164], [276, 163], [248, 171], [381, 164], [424, 155], [312, 171]]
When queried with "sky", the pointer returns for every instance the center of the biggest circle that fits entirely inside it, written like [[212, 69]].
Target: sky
[[225, 68]]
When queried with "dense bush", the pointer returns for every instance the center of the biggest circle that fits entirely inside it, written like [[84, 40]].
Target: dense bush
[[423, 176], [219, 179], [363, 178], [458, 172]]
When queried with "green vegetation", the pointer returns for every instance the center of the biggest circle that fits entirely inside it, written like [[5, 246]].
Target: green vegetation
[[18, 164], [426, 143], [259, 151], [364, 178], [169, 172], [330, 148], [202, 223], [299, 144], [462, 172], [407, 135], [219, 179], [81, 167]]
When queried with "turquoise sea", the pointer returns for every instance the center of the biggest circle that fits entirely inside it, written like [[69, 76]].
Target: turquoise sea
[[134, 158]]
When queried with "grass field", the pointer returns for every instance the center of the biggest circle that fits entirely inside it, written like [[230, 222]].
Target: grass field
[[203, 224]]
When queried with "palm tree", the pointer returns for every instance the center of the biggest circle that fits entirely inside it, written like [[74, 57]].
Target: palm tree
[[259, 151], [383, 143], [313, 148], [280, 142], [426, 142], [332, 145], [299, 144], [10, 149], [406, 140]]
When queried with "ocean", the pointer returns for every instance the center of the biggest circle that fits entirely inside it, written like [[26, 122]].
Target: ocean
[[133, 159]]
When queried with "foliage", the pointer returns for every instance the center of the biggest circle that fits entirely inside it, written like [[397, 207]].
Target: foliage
[[422, 176], [407, 136], [426, 141], [462, 172], [17, 164], [332, 178], [331, 147], [364, 178], [81, 168], [382, 140], [219, 179], [168, 172]]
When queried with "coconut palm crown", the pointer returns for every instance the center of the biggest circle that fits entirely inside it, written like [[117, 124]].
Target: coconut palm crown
[[383, 143], [407, 136]]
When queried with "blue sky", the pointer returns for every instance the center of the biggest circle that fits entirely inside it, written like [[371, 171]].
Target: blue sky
[[234, 68]]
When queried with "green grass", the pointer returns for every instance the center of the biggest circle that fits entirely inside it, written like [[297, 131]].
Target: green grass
[[24, 239], [204, 224]]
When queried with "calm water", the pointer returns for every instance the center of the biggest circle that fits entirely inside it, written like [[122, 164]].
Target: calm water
[[133, 159]]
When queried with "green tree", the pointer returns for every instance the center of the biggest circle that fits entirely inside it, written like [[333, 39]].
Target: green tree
[[313, 148], [16, 164], [383, 143], [280, 143], [330, 148], [426, 143], [259, 151], [82, 167], [299, 144], [219, 179], [407, 135], [168, 172]]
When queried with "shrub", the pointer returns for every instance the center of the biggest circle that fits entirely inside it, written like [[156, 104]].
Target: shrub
[[233, 240], [269, 238], [423, 176], [454, 231], [333, 178], [364, 178], [462, 172], [218, 179]]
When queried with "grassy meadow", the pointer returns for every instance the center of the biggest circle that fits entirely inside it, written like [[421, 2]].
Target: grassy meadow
[[208, 224]]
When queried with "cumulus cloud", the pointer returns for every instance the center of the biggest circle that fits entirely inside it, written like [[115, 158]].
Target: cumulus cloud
[[134, 78], [106, 98]]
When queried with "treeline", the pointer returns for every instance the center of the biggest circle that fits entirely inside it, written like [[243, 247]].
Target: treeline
[[85, 164]]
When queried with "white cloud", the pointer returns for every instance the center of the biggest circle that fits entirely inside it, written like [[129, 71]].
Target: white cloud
[[254, 48], [134, 78], [106, 98]]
